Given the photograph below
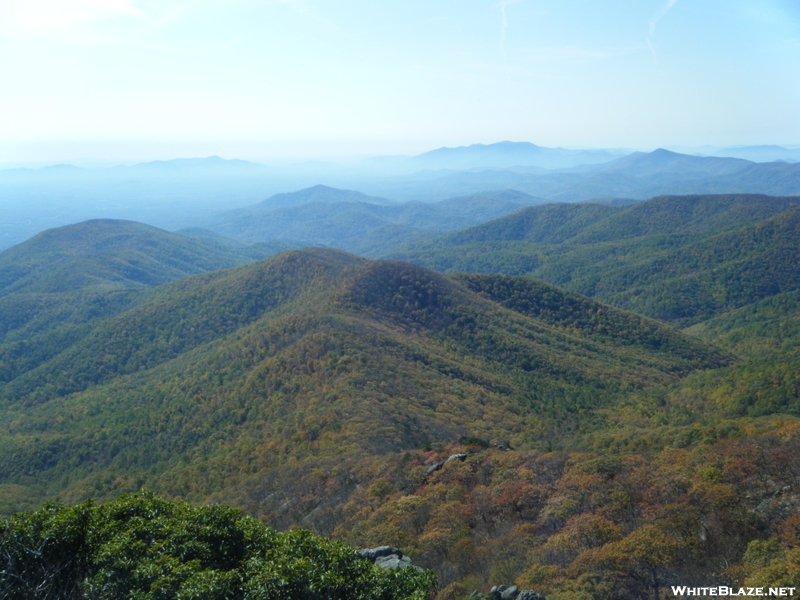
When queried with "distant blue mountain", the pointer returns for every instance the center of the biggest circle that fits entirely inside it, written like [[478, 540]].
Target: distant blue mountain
[[639, 175], [214, 164], [661, 161], [355, 222], [317, 193], [510, 154], [187, 192], [761, 153]]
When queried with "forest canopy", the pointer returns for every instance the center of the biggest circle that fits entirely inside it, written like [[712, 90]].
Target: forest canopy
[[145, 548]]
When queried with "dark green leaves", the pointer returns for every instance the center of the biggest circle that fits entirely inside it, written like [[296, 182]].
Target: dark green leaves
[[145, 548]]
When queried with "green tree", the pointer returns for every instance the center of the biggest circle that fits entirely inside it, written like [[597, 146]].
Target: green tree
[[145, 548]]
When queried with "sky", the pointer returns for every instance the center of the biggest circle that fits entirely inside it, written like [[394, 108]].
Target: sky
[[133, 80]]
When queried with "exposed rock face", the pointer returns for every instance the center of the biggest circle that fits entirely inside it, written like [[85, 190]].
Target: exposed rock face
[[530, 595], [433, 468], [461, 457], [387, 557], [394, 562], [372, 554], [439, 465], [509, 593]]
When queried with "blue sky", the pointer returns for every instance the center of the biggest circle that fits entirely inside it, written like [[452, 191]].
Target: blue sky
[[140, 79]]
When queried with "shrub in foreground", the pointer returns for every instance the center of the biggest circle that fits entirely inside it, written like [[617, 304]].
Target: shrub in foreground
[[145, 548]]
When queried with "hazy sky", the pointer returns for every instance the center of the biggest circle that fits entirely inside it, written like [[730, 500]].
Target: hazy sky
[[143, 79]]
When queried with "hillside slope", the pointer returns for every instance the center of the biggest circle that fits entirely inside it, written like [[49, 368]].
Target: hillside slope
[[318, 355], [497, 428], [353, 222], [101, 255], [55, 284], [680, 259]]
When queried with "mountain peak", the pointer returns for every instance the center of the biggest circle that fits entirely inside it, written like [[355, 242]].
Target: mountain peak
[[108, 253], [663, 153], [508, 154], [318, 193], [662, 161]]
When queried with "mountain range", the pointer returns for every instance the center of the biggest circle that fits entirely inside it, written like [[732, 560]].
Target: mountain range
[[313, 350], [509, 154], [627, 421], [763, 153], [375, 226], [324, 216], [637, 176], [191, 192], [462, 417], [676, 258], [724, 267]]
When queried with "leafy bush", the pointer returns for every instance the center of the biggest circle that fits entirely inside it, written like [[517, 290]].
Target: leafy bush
[[145, 548]]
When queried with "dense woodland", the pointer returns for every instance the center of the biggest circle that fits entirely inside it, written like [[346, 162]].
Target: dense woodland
[[634, 428]]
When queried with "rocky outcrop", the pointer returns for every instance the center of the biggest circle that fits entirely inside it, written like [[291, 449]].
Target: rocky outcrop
[[395, 562], [529, 595], [387, 557], [433, 468], [461, 457], [372, 554], [439, 465]]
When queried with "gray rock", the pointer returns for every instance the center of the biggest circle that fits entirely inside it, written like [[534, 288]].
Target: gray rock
[[393, 562], [433, 468], [387, 557], [372, 554], [461, 457], [510, 593]]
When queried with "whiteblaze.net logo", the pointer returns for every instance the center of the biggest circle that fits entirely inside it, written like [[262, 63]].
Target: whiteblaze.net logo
[[724, 591]]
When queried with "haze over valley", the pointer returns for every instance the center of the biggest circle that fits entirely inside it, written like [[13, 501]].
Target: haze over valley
[[185, 193]]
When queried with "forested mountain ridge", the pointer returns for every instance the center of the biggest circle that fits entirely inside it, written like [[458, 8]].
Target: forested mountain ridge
[[588, 222], [105, 254], [56, 284], [681, 259], [67, 276], [318, 353], [322, 389], [317, 194], [350, 221]]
